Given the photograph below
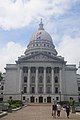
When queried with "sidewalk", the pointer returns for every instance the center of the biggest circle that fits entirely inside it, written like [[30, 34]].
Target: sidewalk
[[37, 113]]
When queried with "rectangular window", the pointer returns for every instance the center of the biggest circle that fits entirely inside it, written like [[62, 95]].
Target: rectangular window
[[56, 89], [33, 90], [56, 70], [48, 89], [40, 89], [25, 69], [23, 97], [25, 89], [78, 88], [57, 98]]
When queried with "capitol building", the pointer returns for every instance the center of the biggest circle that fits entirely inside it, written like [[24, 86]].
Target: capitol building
[[40, 75]]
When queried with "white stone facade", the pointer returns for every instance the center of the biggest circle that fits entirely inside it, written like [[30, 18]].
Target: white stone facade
[[40, 73]]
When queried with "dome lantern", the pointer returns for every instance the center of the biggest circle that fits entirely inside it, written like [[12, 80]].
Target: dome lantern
[[41, 25]]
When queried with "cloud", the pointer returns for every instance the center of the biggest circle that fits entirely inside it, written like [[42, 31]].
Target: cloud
[[19, 13], [69, 48], [10, 53]]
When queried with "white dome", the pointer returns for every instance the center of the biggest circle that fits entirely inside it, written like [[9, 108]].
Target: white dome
[[41, 41], [41, 34]]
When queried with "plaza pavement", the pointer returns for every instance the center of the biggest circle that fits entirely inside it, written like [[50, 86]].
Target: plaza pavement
[[37, 112]]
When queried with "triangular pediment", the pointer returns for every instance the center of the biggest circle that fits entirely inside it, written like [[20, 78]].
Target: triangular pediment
[[40, 57]]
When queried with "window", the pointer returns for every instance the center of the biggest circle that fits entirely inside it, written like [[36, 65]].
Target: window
[[40, 79], [48, 89], [78, 88], [40, 89], [48, 70], [56, 70], [56, 89], [56, 79], [33, 90], [25, 79], [57, 98], [48, 79], [23, 97], [25, 69], [41, 69], [2, 88], [33, 79], [25, 89], [33, 70]]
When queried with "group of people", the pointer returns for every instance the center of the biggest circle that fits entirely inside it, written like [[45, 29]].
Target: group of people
[[56, 109]]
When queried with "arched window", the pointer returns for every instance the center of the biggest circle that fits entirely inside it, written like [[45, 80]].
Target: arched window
[[32, 79], [25, 79], [48, 79], [56, 79], [40, 79]]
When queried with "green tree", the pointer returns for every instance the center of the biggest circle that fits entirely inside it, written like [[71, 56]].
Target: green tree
[[1, 78]]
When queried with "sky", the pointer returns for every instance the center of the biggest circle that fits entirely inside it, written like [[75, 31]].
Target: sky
[[19, 19]]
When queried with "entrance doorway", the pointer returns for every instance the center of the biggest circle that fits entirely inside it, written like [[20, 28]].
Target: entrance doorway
[[48, 99], [32, 99], [40, 99]]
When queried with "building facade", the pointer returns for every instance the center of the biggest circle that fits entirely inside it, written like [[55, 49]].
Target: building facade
[[40, 75]]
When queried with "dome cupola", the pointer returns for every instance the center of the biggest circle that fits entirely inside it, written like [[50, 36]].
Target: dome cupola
[[41, 41]]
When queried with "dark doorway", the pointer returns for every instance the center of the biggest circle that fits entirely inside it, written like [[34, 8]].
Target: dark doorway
[[40, 99], [48, 99], [32, 99], [1, 99]]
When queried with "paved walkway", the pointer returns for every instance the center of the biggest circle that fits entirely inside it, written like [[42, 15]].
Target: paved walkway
[[37, 113]]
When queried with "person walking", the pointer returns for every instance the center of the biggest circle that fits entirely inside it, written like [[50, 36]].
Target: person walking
[[58, 109], [68, 110], [54, 109]]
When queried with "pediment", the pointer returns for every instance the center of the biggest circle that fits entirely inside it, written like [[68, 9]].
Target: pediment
[[40, 57]]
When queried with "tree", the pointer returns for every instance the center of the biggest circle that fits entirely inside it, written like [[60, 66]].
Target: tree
[[1, 78]]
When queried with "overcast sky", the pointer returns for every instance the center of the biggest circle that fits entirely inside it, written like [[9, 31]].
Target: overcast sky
[[20, 18]]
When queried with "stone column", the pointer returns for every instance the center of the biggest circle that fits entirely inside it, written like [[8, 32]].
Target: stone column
[[60, 78], [20, 79], [36, 80], [28, 82], [52, 80], [44, 80]]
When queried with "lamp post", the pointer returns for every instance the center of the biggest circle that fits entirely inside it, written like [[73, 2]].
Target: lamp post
[[60, 96]]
